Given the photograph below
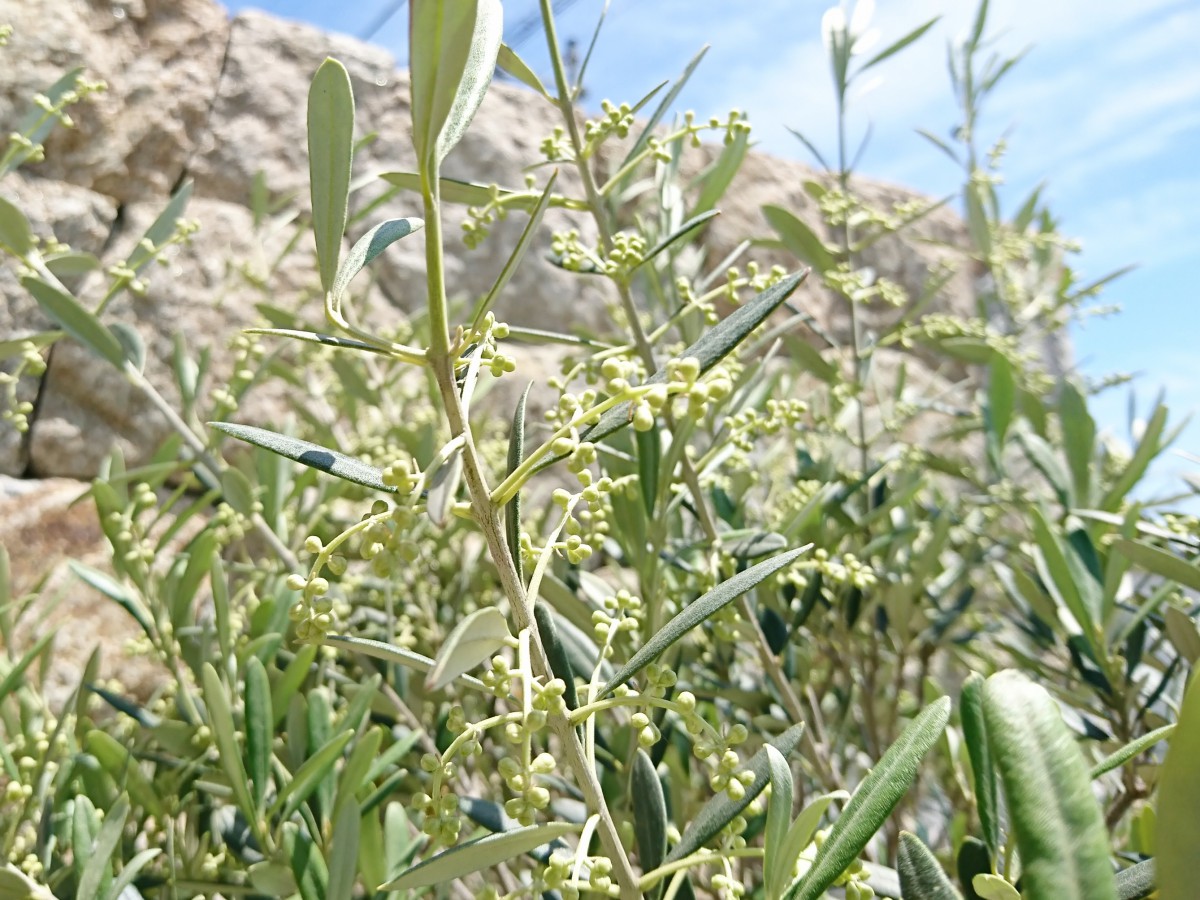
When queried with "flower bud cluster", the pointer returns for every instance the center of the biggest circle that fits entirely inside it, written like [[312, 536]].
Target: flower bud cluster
[[12, 410], [248, 356], [487, 338], [621, 614], [849, 571], [572, 254], [862, 285], [754, 278], [728, 774], [440, 816], [557, 146], [530, 797], [616, 120], [746, 426], [477, 225]]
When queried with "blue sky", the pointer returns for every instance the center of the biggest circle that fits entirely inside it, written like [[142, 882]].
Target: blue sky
[[1105, 109]]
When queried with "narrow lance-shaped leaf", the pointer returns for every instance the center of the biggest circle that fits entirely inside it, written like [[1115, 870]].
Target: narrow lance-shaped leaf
[[799, 238], [76, 320], [800, 835], [160, 229], [650, 820], [714, 346], [474, 639], [393, 654], [720, 810], [310, 774], [975, 737], [508, 60], [1129, 751], [873, 802], [369, 246], [1160, 562], [15, 234], [479, 854], [476, 76], [682, 231], [512, 511], [557, 653], [1058, 825], [518, 254], [312, 455], [663, 106], [330, 148], [259, 728], [343, 853], [1177, 834], [777, 868], [699, 610], [471, 193], [99, 865], [439, 46], [220, 721], [921, 876], [443, 487], [893, 49], [1182, 633]]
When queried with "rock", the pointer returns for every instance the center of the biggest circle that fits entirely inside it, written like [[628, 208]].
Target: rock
[[204, 293], [73, 215], [160, 59], [42, 526]]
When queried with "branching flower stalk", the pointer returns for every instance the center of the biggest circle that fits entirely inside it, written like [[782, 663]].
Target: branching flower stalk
[[487, 516]]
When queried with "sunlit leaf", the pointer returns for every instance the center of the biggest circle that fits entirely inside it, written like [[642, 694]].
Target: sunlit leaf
[[474, 639], [698, 611], [482, 853], [330, 148], [1058, 824]]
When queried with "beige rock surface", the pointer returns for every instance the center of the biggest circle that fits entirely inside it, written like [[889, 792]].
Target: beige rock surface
[[42, 526]]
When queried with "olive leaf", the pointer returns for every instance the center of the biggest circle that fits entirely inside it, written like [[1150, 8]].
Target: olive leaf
[[482, 853], [697, 611], [475, 638], [873, 802], [312, 455], [1058, 824], [330, 149], [921, 876]]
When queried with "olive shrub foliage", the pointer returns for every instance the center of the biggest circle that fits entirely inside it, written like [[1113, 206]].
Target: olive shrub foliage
[[717, 622]]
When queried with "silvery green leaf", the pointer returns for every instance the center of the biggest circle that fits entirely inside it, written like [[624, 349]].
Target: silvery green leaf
[[390, 653], [76, 320], [474, 639], [873, 802], [512, 511], [921, 876], [98, 868], [482, 853], [330, 149], [443, 487], [312, 455], [650, 819], [1177, 833], [15, 234], [1058, 825], [508, 60], [777, 865], [220, 721], [697, 611], [367, 247]]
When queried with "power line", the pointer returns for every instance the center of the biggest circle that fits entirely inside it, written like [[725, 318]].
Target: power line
[[382, 19]]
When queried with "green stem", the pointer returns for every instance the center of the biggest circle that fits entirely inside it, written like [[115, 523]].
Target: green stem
[[595, 201]]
